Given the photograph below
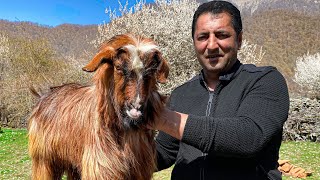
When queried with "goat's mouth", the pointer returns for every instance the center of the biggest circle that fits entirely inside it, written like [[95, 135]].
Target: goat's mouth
[[133, 118], [134, 113]]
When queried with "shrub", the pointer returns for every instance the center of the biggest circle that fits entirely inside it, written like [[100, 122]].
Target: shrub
[[29, 62], [307, 73], [4, 46], [249, 54], [303, 123], [4, 50], [24, 62]]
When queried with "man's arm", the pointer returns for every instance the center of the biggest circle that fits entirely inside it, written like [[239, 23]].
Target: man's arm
[[260, 117], [167, 146], [172, 123]]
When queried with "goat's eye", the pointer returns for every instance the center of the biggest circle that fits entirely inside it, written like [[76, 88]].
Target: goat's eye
[[118, 68], [121, 50]]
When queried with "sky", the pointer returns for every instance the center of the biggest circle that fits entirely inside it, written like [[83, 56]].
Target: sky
[[56, 12]]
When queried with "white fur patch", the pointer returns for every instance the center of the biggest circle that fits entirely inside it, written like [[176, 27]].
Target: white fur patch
[[134, 111], [147, 47], [136, 61], [137, 102], [143, 48]]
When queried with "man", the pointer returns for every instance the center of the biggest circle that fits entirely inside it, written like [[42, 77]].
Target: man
[[225, 123]]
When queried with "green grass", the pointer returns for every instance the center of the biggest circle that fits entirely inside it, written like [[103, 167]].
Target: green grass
[[15, 162], [303, 154], [163, 175]]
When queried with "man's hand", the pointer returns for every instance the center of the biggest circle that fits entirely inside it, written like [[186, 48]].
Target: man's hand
[[170, 122]]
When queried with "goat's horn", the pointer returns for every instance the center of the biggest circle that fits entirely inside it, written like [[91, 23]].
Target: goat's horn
[[96, 61]]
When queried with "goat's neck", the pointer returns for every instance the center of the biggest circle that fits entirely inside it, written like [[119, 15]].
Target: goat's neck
[[108, 110]]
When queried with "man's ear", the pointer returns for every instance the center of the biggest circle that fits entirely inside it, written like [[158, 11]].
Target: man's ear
[[239, 40]]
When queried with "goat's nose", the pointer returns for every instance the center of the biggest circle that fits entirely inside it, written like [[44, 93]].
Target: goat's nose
[[135, 106], [134, 113]]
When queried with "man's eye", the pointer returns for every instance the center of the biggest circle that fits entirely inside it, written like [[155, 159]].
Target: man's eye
[[222, 36], [201, 38]]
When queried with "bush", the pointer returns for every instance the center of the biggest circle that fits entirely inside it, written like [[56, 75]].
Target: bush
[[26, 61], [29, 63], [4, 46], [249, 54], [4, 51], [307, 73], [303, 123]]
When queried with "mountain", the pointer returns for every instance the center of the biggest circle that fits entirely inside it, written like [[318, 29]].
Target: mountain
[[66, 39]]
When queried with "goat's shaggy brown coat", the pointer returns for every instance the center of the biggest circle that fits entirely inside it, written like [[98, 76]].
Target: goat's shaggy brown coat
[[99, 131]]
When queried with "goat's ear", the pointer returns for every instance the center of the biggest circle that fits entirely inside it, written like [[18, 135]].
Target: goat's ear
[[163, 69], [105, 54]]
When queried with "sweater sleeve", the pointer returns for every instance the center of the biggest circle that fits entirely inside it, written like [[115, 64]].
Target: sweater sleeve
[[259, 118]]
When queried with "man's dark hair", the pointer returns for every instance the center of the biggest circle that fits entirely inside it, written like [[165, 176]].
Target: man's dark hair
[[217, 7]]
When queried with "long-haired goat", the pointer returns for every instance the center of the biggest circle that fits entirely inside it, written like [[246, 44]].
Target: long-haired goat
[[99, 131]]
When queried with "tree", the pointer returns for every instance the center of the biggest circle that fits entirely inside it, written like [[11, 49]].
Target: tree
[[307, 73]]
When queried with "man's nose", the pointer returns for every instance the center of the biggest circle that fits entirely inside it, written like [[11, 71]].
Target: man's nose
[[212, 43]]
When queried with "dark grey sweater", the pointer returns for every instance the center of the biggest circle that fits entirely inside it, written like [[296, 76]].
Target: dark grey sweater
[[232, 133]]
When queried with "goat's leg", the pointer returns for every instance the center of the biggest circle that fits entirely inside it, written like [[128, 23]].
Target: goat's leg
[[57, 173], [73, 174], [42, 170]]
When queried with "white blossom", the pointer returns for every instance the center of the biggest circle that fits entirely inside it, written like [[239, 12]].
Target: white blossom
[[307, 72]]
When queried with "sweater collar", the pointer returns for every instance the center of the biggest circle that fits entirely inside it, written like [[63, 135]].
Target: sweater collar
[[229, 75]]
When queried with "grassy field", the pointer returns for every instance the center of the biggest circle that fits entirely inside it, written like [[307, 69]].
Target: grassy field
[[15, 162], [14, 159]]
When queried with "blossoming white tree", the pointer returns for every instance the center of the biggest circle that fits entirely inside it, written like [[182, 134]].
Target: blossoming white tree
[[307, 72]]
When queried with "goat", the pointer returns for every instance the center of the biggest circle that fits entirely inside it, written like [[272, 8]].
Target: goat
[[99, 131]]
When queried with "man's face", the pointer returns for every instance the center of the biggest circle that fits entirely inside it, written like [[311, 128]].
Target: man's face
[[216, 43]]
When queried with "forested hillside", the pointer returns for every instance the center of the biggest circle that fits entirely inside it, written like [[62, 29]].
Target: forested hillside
[[66, 39]]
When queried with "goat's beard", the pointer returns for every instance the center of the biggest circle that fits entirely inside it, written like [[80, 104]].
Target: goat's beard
[[132, 124], [154, 104]]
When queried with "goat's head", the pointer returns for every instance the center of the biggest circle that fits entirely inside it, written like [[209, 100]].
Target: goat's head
[[133, 65]]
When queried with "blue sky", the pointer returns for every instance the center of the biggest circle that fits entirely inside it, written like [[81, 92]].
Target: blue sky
[[56, 12]]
